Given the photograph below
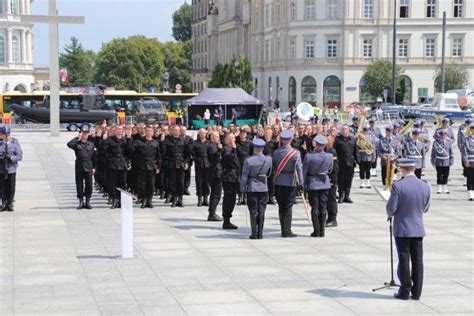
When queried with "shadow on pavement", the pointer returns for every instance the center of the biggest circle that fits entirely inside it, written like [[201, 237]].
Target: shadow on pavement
[[345, 293], [97, 257]]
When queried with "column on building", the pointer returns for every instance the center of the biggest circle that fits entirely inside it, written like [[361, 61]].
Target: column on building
[[23, 46], [8, 7], [29, 48], [9, 45]]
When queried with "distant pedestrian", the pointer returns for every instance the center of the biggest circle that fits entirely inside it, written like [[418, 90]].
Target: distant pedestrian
[[207, 116], [10, 155]]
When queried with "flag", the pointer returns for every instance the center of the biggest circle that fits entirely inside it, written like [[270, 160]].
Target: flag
[[63, 75]]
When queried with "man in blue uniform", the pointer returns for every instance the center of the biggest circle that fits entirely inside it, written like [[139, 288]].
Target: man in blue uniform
[[445, 125], [316, 167], [409, 199], [255, 172], [10, 155], [468, 162], [386, 151], [461, 137], [414, 148], [287, 165], [375, 135], [442, 158], [366, 156], [86, 161], [354, 126]]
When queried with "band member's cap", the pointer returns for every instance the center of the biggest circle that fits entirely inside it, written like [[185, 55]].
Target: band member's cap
[[365, 128], [355, 118], [286, 135], [371, 120], [396, 125], [467, 120], [445, 120], [415, 131], [242, 129], [320, 140], [85, 128], [423, 121], [5, 130], [406, 162], [258, 143], [388, 128], [417, 124]]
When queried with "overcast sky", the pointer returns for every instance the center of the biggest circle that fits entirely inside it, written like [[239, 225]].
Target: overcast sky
[[105, 20]]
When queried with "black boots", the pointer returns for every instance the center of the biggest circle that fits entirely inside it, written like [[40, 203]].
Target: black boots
[[115, 203], [285, 223], [213, 217], [228, 225], [341, 197], [87, 205], [347, 199], [271, 200], [253, 226], [205, 201], [144, 203], [199, 201], [4, 206], [316, 225], [81, 204], [177, 201], [149, 203], [260, 221], [322, 224]]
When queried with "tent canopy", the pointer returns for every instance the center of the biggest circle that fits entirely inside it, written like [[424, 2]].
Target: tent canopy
[[223, 96]]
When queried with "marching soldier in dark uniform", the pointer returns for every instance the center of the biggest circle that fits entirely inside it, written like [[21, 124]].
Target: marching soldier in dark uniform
[[271, 144], [116, 150], [442, 158], [176, 155], [10, 155], [332, 194], [230, 179], [244, 150], [316, 167], [187, 173], [201, 167], [345, 145], [287, 165], [147, 151], [409, 199], [468, 161], [86, 161], [255, 172], [214, 154], [132, 176]]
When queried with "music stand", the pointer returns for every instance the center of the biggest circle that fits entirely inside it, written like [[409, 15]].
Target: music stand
[[392, 280]]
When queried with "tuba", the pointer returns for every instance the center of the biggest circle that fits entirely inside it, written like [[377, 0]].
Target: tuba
[[364, 145], [467, 131], [304, 111]]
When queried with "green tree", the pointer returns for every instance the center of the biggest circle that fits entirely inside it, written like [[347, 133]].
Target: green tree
[[455, 77], [177, 57], [378, 76], [237, 73], [182, 20], [80, 63], [134, 63]]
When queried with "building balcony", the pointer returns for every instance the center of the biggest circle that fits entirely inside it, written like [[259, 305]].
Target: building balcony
[[15, 66]]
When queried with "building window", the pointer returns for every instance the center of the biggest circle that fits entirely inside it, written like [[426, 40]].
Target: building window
[[16, 49], [267, 15], [292, 49], [332, 9], [15, 9], [332, 48], [310, 10], [367, 48], [404, 8], [309, 48], [2, 49], [457, 47], [431, 8], [403, 47], [268, 50], [270, 90], [458, 8], [368, 9], [293, 11], [430, 44], [292, 89], [308, 89], [2, 10]]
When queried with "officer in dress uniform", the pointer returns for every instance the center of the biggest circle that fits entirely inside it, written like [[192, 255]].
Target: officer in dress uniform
[[201, 167], [445, 126], [366, 158], [187, 173], [255, 172], [214, 154], [409, 200], [468, 161], [442, 158], [414, 148], [10, 155], [375, 135], [230, 179], [386, 151], [244, 150], [316, 167], [85, 166], [287, 165], [147, 151]]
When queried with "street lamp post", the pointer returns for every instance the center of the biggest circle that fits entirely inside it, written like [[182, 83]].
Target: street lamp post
[[394, 51]]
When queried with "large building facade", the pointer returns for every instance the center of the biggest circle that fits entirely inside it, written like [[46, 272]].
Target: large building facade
[[317, 51], [16, 47]]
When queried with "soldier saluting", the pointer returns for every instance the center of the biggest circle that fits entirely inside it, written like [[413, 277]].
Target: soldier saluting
[[10, 154], [255, 172], [86, 161]]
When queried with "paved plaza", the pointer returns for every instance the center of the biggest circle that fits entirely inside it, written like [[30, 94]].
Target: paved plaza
[[56, 260]]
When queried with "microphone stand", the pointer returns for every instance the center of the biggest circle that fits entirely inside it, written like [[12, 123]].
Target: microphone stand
[[392, 280]]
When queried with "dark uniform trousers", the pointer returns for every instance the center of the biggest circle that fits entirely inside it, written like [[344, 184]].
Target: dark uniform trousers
[[176, 181], [228, 202], [410, 248], [83, 183], [442, 175], [146, 183], [216, 191], [470, 178], [118, 179], [202, 182], [257, 203], [187, 177], [332, 203], [285, 197], [318, 200], [418, 173], [7, 186], [344, 178], [364, 169]]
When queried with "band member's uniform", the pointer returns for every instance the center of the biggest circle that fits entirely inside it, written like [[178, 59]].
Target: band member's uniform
[[253, 180], [386, 152], [409, 200], [375, 135], [444, 126], [287, 165], [85, 165], [414, 148], [10, 154], [461, 138], [366, 156], [271, 145], [442, 158], [316, 167], [468, 161]]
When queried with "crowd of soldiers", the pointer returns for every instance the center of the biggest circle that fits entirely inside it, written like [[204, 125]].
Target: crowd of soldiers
[[259, 165]]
